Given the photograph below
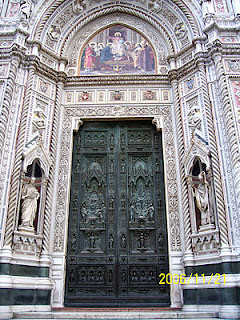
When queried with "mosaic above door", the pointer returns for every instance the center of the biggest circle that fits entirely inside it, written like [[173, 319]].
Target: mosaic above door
[[117, 50]]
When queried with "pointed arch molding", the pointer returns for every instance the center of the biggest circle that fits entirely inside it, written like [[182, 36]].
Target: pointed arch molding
[[161, 21], [196, 150], [37, 152]]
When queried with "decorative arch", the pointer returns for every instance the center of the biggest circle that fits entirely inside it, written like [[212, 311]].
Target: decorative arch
[[196, 150], [54, 7], [37, 152], [61, 22]]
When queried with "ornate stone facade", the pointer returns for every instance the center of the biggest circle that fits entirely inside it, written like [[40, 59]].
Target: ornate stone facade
[[50, 86]]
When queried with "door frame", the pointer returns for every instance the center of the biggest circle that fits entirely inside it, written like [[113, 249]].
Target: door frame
[[105, 154], [71, 120]]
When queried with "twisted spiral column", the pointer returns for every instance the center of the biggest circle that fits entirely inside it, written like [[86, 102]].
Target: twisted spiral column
[[215, 159], [53, 152], [8, 99], [15, 182], [184, 188]]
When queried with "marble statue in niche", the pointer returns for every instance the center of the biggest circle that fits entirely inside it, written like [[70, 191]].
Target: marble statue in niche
[[39, 122], [194, 119], [201, 195], [30, 196]]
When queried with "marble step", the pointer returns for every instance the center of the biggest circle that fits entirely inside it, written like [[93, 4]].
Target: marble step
[[115, 315]]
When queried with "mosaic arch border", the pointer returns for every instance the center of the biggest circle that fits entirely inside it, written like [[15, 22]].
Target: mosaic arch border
[[145, 29], [72, 117]]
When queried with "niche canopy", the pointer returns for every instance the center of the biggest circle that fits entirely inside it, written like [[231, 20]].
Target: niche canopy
[[117, 50]]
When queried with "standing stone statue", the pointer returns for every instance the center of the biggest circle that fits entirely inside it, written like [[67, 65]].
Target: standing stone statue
[[30, 196], [201, 193]]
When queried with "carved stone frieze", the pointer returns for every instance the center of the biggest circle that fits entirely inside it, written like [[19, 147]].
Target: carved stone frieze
[[71, 113]]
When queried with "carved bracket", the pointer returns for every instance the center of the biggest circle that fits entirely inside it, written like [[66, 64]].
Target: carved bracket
[[76, 124], [158, 122]]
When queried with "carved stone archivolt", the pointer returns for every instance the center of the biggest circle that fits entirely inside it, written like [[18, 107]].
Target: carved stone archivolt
[[170, 166]]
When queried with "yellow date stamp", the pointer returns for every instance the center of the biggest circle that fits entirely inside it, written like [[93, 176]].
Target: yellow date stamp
[[197, 278]]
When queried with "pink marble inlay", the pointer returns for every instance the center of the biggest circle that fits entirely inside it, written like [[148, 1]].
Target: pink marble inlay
[[236, 90]]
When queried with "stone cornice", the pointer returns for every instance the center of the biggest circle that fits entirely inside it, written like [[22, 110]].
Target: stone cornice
[[214, 25], [177, 74], [118, 80], [222, 48], [44, 70], [14, 50], [44, 50], [189, 48]]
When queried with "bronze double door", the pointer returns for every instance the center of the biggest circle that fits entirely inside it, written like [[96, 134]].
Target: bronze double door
[[117, 239]]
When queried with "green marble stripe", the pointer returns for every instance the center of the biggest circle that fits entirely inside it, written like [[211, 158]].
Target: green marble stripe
[[23, 271], [208, 269], [12, 296], [212, 296]]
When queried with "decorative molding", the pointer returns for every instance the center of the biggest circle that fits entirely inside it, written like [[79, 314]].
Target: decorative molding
[[71, 116], [229, 126], [115, 80], [206, 242], [4, 117], [60, 4], [181, 150], [53, 153]]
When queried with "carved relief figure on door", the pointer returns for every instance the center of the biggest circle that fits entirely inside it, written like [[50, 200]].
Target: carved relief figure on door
[[141, 204]]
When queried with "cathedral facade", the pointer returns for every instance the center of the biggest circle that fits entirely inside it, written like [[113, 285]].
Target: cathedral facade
[[120, 155]]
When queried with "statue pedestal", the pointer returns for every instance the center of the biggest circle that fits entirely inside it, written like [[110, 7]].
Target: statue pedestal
[[26, 241], [206, 240], [26, 229], [206, 227]]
